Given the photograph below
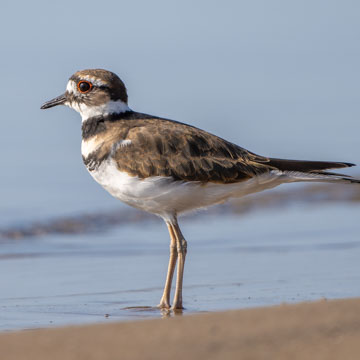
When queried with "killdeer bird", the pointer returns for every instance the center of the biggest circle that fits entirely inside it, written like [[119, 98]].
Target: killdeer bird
[[167, 167]]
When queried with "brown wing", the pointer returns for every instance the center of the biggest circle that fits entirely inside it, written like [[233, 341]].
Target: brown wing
[[161, 147], [183, 152]]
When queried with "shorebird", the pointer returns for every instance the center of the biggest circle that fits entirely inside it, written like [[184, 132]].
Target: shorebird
[[167, 167]]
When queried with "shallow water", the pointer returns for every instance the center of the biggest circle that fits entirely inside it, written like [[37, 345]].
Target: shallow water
[[264, 258]]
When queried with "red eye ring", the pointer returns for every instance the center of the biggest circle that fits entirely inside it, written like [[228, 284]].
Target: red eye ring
[[84, 86]]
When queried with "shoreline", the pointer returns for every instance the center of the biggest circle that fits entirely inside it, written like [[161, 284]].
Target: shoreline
[[325, 329], [87, 223]]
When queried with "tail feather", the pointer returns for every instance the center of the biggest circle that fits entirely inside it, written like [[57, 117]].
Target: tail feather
[[302, 170], [306, 166]]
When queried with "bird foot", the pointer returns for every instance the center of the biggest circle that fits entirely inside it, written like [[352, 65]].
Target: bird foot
[[164, 304]]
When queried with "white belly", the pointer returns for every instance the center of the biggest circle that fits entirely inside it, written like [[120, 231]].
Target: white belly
[[165, 197]]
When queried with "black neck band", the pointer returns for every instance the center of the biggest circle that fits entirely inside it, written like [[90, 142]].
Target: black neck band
[[96, 124]]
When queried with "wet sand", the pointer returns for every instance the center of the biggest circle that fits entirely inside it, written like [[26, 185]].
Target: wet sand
[[319, 330]]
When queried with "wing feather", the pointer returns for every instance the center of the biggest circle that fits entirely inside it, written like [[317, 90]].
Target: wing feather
[[162, 147], [168, 148]]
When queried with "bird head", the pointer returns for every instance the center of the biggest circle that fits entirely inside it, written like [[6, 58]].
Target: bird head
[[94, 92]]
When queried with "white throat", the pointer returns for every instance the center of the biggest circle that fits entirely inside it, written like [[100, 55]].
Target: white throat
[[111, 107]]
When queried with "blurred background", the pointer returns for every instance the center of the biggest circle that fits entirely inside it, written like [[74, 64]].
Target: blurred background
[[280, 78]]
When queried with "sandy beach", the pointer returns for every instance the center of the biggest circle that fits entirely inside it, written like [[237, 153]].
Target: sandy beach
[[318, 330]]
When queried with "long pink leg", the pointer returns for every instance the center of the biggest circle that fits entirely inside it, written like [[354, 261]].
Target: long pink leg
[[181, 246], [165, 299]]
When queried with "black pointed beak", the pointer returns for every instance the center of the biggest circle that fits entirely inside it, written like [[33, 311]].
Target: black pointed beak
[[60, 100]]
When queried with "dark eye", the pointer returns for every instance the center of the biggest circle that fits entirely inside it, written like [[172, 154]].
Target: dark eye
[[84, 86]]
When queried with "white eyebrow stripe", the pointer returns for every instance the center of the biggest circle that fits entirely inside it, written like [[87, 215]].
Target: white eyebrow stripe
[[71, 86], [94, 81]]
